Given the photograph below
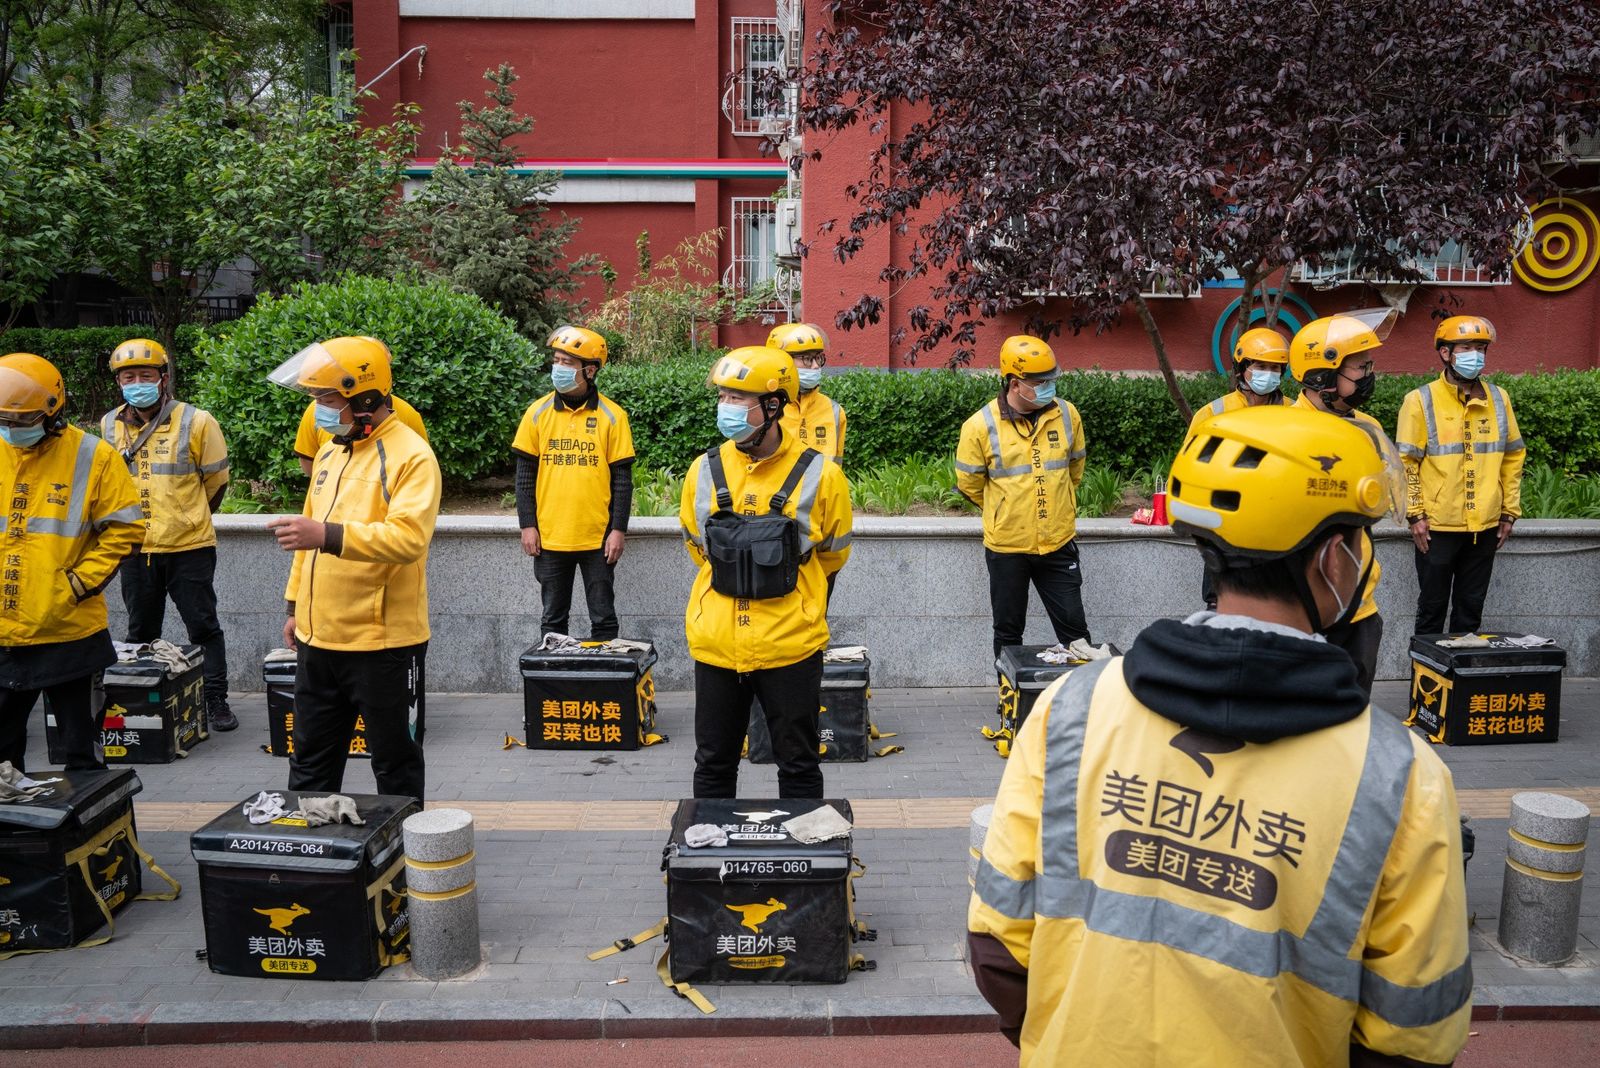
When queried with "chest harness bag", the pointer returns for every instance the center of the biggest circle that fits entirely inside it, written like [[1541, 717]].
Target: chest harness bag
[[754, 557]]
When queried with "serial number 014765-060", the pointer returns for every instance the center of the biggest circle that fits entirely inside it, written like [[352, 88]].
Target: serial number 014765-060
[[766, 867]]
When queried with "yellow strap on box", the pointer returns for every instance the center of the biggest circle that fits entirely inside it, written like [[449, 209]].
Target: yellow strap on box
[[683, 990], [623, 944], [510, 741], [375, 894]]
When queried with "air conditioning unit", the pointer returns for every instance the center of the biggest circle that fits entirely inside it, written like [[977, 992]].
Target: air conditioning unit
[[786, 234], [1583, 149]]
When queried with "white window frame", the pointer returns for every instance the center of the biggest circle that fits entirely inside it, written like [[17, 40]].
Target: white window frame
[[752, 251], [758, 45]]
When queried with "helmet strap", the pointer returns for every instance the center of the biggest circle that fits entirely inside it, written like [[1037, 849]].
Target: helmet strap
[[768, 421]]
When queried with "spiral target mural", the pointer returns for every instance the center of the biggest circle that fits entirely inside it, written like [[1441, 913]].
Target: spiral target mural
[[1564, 249], [1292, 315]]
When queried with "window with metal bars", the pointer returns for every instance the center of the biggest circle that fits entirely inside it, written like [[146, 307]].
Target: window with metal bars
[[759, 47]]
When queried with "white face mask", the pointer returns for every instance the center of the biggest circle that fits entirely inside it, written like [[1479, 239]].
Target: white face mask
[[1343, 603]]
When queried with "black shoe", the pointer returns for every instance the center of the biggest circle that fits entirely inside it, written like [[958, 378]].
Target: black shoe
[[221, 717]]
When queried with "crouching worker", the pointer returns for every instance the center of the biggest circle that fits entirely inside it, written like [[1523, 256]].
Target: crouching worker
[[768, 522], [358, 588], [1220, 816], [72, 515]]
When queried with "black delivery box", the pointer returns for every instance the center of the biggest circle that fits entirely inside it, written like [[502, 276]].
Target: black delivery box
[[50, 870], [593, 698], [152, 714], [284, 899], [764, 908], [1498, 695], [278, 672], [844, 727]]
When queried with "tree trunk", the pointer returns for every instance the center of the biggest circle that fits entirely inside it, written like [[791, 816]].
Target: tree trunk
[[1153, 331]]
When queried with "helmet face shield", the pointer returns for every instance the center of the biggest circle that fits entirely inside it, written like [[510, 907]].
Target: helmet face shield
[[1380, 321], [1391, 492], [313, 371], [22, 400]]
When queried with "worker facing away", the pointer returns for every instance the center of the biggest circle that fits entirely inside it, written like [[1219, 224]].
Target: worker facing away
[[574, 484], [1332, 360], [1463, 454], [1020, 458], [72, 516], [1213, 851], [179, 463], [767, 521], [358, 589]]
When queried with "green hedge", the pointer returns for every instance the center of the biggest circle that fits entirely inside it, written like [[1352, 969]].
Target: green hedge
[[80, 355]]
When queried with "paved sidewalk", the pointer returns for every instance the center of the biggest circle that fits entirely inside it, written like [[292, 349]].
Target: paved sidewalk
[[569, 850]]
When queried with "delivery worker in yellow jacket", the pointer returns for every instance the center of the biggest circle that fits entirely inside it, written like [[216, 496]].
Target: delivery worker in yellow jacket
[[358, 589], [757, 616], [1463, 455], [72, 515], [179, 462], [1331, 358], [1260, 357], [1214, 851], [1020, 459], [309, 437], [815, 418]]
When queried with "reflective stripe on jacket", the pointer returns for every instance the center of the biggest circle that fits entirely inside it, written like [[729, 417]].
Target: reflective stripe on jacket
[[1024, 475], [818, 421], [1268, 906], [748, 635], [72, 514], [1463, 456], [383, 492], [1369, 592], [180, 467], [1228, 402]]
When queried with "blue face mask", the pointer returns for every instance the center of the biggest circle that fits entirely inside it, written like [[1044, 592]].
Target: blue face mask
[[1468, 364], [810, 377], [22, 437], [1043, 392], [328, 421], [563, 378], [733, 420], [1263, 383], [142, 394]]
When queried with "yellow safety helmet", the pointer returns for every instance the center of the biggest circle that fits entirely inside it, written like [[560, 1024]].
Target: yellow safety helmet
[[1459, 328], [1324, 344], [30, 385], [759, 369], [795, 338], [1264, 482], [350, 366], [579, 341], [1027, 357], [138, 352], [1262, 345]]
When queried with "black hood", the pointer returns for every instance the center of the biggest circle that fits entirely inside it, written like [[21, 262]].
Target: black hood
[[1248, 684]]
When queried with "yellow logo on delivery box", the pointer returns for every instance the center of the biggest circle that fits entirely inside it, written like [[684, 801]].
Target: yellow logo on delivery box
[[280, 920], [753, 916]]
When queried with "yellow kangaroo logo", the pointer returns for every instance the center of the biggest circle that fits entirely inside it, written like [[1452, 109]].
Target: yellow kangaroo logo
[[753, 916], [280, 919], [109, 872], [4, 881]]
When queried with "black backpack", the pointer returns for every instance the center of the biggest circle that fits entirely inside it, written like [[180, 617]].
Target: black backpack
[[754, 557]]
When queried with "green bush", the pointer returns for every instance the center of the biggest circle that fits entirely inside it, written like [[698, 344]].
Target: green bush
[[461, 364], [81, 354]]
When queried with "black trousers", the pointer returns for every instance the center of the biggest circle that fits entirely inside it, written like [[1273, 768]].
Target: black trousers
[[1454, 573], [148, 579], [77, 724], [1060, 584], [791, 696], [1361, 640], [330, 690], [554, 570]]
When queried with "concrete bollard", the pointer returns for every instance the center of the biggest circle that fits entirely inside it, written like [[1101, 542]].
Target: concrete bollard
[[441, 885], [1544, 877], [976, 833]]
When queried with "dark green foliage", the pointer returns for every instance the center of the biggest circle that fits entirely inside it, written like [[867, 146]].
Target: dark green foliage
[[462, 365], [80, 355]]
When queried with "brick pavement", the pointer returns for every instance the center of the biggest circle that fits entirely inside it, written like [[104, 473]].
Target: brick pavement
[[569, 858]]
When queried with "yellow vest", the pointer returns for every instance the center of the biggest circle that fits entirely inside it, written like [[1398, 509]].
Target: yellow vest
[[1463, 457], [177, 471], [575, 448], [384, 492], [1299, 895], [308, 440], [1369, 592], [1230, 402], [818, 421], [748, 635], [1025, 477], [71, 514]]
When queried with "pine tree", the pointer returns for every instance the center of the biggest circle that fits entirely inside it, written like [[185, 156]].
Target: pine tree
[[485, 229]]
